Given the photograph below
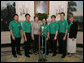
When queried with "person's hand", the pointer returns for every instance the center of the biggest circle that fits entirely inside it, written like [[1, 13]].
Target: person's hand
[[25, 39], [72, 39], [13, 37], [64, 38], [32, 38], [55, 38], [47, 38]]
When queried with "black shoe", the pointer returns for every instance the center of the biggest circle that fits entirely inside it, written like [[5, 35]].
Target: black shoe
[[14, 56], [54, 54], [47, 53], [63, 56], [70, 55], [35, 53], [19, 53], [27, 55], [29, 52]]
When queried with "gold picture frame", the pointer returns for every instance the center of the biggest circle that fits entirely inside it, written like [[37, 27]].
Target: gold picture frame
[[35, 7]]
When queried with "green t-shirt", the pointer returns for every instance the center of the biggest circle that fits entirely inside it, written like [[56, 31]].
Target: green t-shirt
[[53, 27], [63, 25], [15, 27], [26, 26], [69, 27], [46, 29]]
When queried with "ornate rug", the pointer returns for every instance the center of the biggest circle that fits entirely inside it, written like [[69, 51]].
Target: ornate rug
[[6, 56]]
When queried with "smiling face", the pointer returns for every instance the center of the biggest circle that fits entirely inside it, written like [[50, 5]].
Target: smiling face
[[28, 18], [62, 16], [52, 19], [16, 18], [36, 18], [71, 19], [44, 21]]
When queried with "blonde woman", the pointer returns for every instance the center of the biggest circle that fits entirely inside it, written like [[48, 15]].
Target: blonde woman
[[71, 44]]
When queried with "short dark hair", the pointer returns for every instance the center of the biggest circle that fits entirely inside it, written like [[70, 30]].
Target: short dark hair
[[43, 18], [27, 14], [15, 15], [62, 13], [36, 16], [53, 16]]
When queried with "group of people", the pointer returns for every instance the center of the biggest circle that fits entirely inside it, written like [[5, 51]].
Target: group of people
[[64, 32]]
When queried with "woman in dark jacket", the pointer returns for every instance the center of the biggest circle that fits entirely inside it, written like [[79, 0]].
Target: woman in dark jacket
[[71, 45]]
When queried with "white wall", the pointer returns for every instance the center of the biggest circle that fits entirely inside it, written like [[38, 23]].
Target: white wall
[[57, 5], [28, 6], [53, 8]]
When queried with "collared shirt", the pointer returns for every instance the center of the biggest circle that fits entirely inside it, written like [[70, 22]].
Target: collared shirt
[[26, 26], [63, 25], [15, 27], [53, 27], [45, 29], [36, 27]]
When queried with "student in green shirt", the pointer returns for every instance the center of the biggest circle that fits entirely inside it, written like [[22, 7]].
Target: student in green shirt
[[63, 29], [53, 30], [45, 26], [26, 27], [44, 30], [16, 34]]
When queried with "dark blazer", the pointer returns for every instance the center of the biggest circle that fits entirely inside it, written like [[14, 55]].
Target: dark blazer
[[73, 30]]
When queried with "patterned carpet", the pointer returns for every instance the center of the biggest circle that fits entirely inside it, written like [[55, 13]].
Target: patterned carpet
[[6, 56]]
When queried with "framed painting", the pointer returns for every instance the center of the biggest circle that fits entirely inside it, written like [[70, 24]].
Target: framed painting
[[41, 7]]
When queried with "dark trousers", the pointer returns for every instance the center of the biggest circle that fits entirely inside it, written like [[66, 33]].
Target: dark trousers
[[27, 43], [35, 43], [47, 44], [53, 43], [62, 43], [15, 45]]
